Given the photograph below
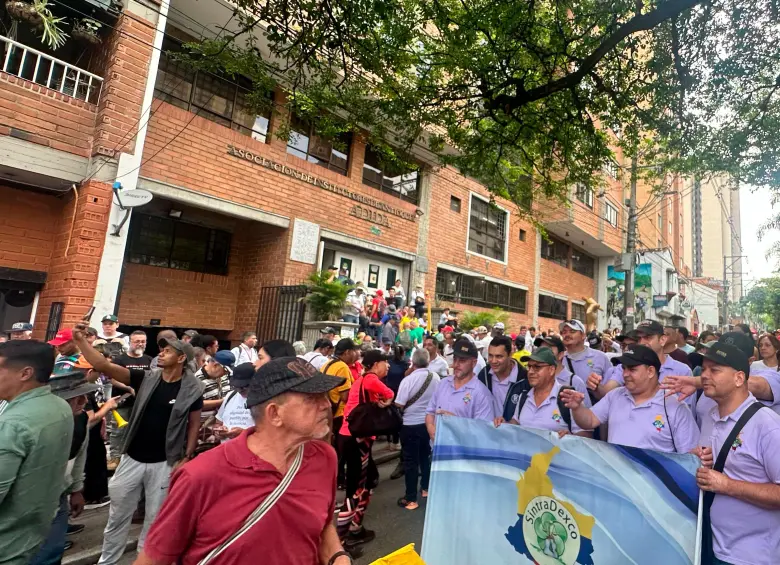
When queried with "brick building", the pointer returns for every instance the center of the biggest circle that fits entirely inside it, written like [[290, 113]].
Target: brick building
[[240, 217]]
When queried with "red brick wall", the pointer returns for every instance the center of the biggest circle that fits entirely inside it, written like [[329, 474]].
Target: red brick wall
[[28, 227], [127, 52], [45, 117], [198, 160], [75, 258], [448, 237]]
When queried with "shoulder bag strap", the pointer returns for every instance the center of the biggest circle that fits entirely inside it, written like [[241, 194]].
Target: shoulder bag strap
[[720, 463], [419, 393], [565, 412], [260, 511], [570, 364], [671, 428]]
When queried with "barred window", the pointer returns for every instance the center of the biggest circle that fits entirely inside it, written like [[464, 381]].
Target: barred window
[[305, 143], [584, 195], [583, 263], [551, 307], [578, 312], [389, 178], [476, 291], [487, 229], [556, 251], [611, 214]]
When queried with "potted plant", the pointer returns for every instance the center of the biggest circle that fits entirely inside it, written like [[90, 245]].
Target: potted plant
[[469, 320], [39, 16], [326, 298], [86, 30]]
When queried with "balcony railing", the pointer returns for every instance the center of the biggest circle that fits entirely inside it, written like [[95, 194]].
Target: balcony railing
[[27, 63]]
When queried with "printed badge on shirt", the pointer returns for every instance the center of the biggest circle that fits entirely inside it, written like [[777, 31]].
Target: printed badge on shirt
[[556, 416], [467, 398], [658, 423], [737, 442]]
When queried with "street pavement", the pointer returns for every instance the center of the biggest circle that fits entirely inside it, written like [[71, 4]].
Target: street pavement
[[394, 526]]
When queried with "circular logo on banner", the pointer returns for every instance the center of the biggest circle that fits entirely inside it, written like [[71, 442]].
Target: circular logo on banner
[[551, 533]]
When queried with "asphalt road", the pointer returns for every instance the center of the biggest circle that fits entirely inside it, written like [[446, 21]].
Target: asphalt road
[[395, 527]]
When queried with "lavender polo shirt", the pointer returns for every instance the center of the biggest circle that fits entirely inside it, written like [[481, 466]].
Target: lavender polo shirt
[[472, 400], [744, 534], [565, 378], [501, 388], [589, 361], [546, 416], [670, 367], [646, 426]]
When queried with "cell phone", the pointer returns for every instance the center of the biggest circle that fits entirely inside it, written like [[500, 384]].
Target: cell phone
[[566, 387], [122, 398], [88, 316]]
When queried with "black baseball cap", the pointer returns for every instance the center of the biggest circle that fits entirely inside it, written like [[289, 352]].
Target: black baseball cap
[[555, 341], [632, 335], [288, 374], [594, 338], [241, 376], [465, 349], [729, 355], [639, 355], [739, 340], [649, 327]]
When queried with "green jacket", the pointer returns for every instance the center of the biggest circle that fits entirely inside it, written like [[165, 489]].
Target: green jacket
[[36, 429]]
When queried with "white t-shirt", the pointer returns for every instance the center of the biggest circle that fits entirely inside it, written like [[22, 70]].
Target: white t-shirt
[[439, 366], [315, 358], [244, 354], [410, 385], [759, 365], [234, 413], [483, 344]]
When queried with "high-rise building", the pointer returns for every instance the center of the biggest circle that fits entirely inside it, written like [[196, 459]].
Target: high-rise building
[[711, 230]]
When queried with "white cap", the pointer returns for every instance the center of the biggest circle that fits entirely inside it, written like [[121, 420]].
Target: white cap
[[576, 325]]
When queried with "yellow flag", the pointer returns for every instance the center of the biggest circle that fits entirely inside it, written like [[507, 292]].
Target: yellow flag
[[404, 556]]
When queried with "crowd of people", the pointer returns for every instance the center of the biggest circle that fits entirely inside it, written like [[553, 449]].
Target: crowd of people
[[227, 454]]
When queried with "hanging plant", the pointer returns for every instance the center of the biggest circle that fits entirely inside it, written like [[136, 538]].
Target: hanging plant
[[87, 30], [39, 16]]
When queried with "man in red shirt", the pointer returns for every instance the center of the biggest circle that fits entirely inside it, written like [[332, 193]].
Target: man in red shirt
[[211, 497]]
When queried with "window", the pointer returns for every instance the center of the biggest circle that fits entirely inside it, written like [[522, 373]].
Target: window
[[390, 178], [455, 204], [611, 168], [476, 291], [522, 235], [578, 311], [611, 214], [582, 263], [332, 154], [164, 242], [584, 195], [551, 307], [487, 229], [556, 251], [670, 282], [210, 96]]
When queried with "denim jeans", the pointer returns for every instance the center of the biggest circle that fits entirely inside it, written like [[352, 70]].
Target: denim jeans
[[416, 457], [50, 553], [350, 319]]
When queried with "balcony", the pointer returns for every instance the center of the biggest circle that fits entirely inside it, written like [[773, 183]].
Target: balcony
[[57, 75]]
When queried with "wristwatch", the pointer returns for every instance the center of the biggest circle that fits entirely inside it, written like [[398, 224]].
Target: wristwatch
[[338, 554]]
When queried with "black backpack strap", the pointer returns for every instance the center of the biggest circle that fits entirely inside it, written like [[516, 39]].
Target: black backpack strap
[[565, 411], [671, 429], [570, 364], [419, 393], [521, 403], [707, 552]]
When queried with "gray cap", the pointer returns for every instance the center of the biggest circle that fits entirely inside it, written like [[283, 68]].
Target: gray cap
[[288, 374], [71, 384], [180, 346]]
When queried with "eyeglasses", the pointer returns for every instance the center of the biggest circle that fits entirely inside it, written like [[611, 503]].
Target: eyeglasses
[[536, 368]]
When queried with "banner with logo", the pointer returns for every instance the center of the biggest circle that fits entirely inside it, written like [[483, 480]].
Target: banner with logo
[[514, 495]]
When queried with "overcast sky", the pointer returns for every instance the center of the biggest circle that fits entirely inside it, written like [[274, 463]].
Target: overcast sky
[[754, 210]]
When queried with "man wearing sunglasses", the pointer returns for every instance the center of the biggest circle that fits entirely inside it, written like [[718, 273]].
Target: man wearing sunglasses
[[233, 416]]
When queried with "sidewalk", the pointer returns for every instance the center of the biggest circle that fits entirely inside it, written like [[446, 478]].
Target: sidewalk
[[87, 544]]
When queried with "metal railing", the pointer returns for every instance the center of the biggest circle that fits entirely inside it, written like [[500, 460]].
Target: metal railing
[[30, 64]]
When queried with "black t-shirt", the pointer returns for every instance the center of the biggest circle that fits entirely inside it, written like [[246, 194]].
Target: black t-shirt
[[128, 362], [148, 445]]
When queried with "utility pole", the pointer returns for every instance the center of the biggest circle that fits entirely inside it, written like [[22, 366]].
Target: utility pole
[[628, 295], [725, 297]]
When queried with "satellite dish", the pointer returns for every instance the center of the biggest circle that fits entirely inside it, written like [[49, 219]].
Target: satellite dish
[[133, 198]]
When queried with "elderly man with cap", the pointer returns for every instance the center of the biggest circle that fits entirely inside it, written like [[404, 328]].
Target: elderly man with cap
[[20, 330], [215, 378], [540, 407], [233, 416], [72, 387], [482, 341], [279, 466], [740, 475], [36, 430], [589, 364], [638, 414], [162, 433], [461, 394], [562, 374], [330, 334]]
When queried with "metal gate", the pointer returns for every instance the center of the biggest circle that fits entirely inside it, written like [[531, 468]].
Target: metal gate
[[281, 312]]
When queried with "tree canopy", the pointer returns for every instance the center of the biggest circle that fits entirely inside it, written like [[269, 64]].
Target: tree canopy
[[506, 90], [763, 302]]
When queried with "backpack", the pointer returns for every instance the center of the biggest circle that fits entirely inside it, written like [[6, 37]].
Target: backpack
[[565, 412], [405, 339]]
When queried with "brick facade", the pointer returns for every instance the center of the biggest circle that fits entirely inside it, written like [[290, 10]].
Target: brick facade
[[45, 117]]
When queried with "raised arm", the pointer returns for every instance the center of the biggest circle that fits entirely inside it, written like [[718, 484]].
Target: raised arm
[[96, 359], [584, 417]]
